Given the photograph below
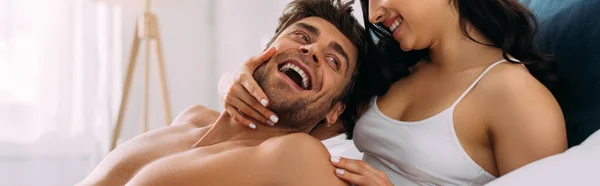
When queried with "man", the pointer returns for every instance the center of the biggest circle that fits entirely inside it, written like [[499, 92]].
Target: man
[[317, 49]]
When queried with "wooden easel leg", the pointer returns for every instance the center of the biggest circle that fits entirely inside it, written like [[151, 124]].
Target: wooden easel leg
[[163, 80], [146, 84], [126, 88]]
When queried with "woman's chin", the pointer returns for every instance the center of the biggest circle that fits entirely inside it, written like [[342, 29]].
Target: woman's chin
[[410, 46], [405, 47]]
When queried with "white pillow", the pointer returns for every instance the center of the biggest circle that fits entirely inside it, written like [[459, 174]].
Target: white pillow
[[340, 146]]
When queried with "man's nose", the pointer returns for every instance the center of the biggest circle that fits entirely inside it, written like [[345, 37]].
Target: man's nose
[[307, 50], [376, 12]]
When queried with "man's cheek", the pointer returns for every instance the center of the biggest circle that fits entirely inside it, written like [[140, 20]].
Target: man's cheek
[[275, 44], [283, 44], [279, 43]]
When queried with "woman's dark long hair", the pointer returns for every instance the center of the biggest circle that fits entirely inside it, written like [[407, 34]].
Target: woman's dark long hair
[[507, 24]]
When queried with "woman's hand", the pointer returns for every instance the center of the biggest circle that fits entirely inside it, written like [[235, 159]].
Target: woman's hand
[[359, 173], [244, 100]]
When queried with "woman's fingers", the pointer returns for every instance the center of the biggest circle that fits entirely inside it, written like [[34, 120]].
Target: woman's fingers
[[251, 86], [351, 165], [256, 61], [249, 83], [245, 101], [245, 106], [355, 179], [245, 78], [359, 172], [266, 114], [239, 117], [268, 54], [362, 180]]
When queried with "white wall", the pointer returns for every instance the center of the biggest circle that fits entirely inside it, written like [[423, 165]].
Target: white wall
[[186, 31]]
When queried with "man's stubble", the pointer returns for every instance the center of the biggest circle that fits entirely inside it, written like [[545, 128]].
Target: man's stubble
[[295, 113]]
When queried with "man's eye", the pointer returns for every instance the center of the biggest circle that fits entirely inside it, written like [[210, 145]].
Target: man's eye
[[335, 62], [303, 37]]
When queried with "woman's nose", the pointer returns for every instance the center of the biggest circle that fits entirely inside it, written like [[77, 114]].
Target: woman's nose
[[376, 12]]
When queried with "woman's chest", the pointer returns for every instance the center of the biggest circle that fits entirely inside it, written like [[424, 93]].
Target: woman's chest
[[417, 98], [420, 152]]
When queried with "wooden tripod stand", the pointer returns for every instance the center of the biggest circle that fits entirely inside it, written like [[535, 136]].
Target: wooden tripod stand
[[146, 30]]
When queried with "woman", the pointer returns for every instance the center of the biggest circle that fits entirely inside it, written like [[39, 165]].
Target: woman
[[456, 106]]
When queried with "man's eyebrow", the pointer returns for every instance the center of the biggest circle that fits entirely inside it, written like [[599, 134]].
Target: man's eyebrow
[[338, 48], [310, 28]]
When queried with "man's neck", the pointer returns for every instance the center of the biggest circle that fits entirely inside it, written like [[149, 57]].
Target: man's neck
[[226, 128]]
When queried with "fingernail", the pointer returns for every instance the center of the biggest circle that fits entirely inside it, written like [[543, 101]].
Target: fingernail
[[252, 126], [335, 159], [263, 102], [274, 118], [271, 123], [339, 171]]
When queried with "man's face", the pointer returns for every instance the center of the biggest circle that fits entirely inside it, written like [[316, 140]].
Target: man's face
[[313, 64]]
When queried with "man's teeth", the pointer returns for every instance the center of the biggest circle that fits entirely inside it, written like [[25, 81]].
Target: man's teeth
[[289, 66], [395, 25]]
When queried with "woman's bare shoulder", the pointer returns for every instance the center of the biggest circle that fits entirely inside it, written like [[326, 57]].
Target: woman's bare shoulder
[[511, 83], [523, 117]]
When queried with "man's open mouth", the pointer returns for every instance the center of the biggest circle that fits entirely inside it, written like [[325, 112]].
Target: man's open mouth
[[297, 74]]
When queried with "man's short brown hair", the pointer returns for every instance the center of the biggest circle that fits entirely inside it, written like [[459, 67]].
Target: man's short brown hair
[[339, 14], [336, 12]]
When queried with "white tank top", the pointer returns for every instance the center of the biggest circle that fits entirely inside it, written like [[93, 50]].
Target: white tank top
[[425, 152]]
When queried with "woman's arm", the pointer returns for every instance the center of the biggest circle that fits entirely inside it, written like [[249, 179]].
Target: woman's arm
[[526, 123]]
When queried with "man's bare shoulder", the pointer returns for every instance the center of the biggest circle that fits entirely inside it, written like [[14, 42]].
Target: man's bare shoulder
[[121, 163], [300, 159], [296, 159], [209, 165], [197, 115], [295, 141]]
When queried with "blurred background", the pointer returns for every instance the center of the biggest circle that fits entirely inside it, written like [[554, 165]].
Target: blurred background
[[63, 63]]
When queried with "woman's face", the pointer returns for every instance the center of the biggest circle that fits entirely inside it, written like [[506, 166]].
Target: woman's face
[[415, 24]]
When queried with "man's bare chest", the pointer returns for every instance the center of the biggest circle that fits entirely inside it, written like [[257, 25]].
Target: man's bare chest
[[125, 161]]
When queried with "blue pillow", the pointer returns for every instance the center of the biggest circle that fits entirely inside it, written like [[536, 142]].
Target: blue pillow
[[570, 31]]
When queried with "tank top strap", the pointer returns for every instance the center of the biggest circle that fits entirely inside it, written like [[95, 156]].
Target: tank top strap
[[477, 81]]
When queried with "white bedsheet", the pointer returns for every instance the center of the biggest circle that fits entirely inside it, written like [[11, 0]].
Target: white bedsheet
[[580, 165], [340, 146]]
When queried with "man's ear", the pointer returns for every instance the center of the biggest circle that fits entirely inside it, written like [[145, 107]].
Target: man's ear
[[334, 114]]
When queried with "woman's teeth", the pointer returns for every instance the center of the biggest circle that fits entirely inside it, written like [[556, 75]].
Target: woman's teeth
[[298, 70], [395, 25]]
